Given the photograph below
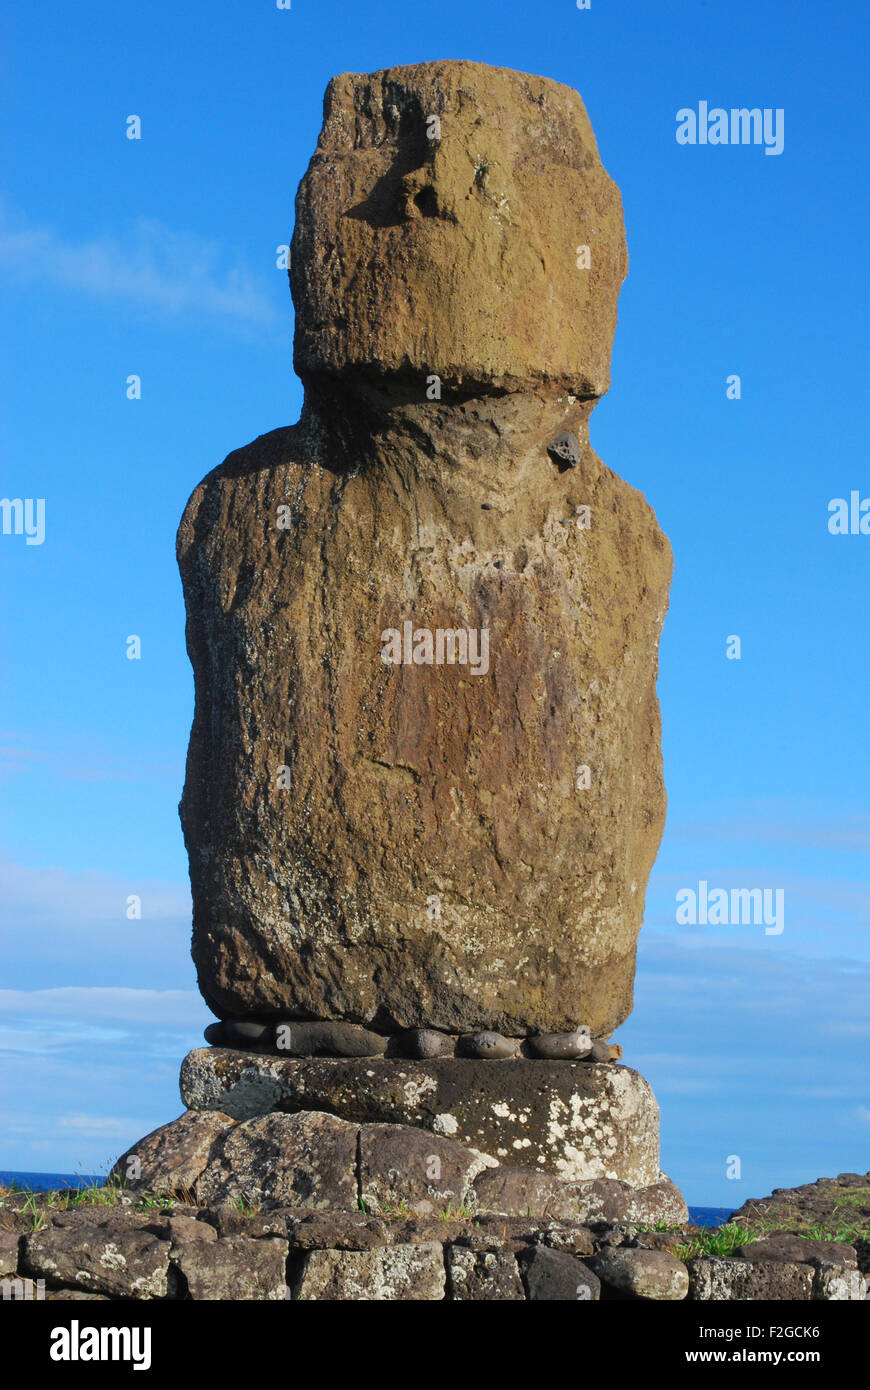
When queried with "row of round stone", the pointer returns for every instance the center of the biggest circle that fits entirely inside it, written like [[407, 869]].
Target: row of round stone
[[336, 1039]]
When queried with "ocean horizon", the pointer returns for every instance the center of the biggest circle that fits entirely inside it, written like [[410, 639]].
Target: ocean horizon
[[49, 1182]]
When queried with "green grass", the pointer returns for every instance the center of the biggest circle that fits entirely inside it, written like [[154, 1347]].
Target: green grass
[[713, 1240], [722, 1241], [64, 1198], [113, 1193], [244, 1208], [39, 1217], [854, 1197], [456, 1214], [402, 1212]]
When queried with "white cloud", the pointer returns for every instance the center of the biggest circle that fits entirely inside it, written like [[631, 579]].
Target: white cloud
[[60, 929], [163, 270], [809, 825], [47, 894], [97, 1126], [88, 765], [168, 1008]]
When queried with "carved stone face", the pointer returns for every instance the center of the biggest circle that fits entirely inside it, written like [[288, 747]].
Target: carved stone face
[[456, 220]]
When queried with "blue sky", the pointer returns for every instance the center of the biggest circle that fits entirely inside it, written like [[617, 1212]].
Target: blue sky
[[157, 257]]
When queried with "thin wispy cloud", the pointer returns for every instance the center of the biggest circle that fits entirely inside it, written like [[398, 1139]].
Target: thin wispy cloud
[[18, 751], [771, 822], [175, 1008], [62, 929], [103, 1022], [51, 896], [161, 269], [102, 1126]]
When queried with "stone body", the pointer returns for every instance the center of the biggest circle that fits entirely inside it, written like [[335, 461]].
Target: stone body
[[419, 845]]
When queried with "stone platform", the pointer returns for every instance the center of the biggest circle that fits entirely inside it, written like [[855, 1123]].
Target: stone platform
[[578, 1121], [141, 1245]]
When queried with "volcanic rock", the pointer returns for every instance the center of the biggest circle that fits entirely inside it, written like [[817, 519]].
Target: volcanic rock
[[486, 1046], [399, 1165], [571, 1119], [560, 1046], [483, 1276], [556, 1276], [437, 231], [234, 1268], [407, 1273], [284, 1160], [642, 1273], [422, 1043], [458, 836], [171, 1158], [107, 1257], [726, 1279]]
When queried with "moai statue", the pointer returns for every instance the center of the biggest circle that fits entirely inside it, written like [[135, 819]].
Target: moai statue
[[424, 786]]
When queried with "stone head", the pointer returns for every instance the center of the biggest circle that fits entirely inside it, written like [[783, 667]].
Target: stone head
[[456, 221]]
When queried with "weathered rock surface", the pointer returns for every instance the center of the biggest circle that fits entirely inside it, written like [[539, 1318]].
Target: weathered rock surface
[[483, 1276], [568, 1236], [10, 1242], [233, 1268], [401, 1166], [299, 1039], [829, 1204], [461, 845], [785, 1245], [512, 1191], [457, 255], [316, 1160], [554, 1275], [487, 1046], [105, 1257], [727, 1279], [642, 1273], [422, 1043], [660, 1202], [410, 1273], [284, 1161], [573, 1119], [561, 1046], [74, 1296], [508, 1191], [145, 1249], [172, 1157], [837, 1283]]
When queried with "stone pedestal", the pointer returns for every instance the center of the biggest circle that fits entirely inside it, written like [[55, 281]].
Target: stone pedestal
[[575, 1120]]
